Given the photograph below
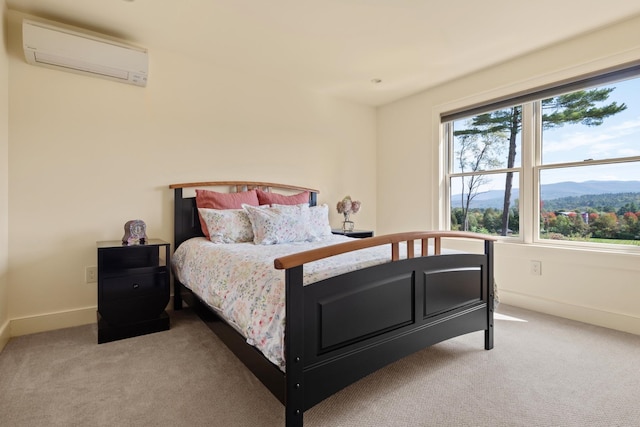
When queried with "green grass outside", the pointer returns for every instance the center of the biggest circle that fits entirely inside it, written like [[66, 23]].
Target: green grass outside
[[615, 241], [597, 240]]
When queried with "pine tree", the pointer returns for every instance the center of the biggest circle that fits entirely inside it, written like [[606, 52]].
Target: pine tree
[[578, 107]]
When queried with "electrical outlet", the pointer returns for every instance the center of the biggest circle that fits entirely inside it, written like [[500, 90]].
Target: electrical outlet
[[536, 268], [91, 274]]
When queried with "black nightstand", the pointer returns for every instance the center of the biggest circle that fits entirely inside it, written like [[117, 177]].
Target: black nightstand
[[133, 289], [354, 233]]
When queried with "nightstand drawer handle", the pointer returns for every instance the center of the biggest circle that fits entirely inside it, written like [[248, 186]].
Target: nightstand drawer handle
[[136, 286]]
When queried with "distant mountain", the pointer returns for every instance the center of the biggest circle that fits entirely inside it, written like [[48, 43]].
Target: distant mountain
[[494, 199], [566, 189]]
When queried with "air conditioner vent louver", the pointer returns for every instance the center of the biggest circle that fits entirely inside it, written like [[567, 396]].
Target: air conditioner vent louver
[[73, 64], [70, 50]]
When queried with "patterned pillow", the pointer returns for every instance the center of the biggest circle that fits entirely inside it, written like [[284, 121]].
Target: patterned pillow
[[319, 225], [281, 224], [227, 226], [214, 200]]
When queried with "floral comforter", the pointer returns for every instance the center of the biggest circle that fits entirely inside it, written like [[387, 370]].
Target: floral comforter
[[240, 282]]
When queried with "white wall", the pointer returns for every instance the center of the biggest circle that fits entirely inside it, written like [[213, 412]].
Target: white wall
[[596, 287], [4, 175], [86, 155]]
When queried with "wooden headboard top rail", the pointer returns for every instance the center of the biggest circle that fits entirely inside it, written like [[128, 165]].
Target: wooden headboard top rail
[[244, 185]]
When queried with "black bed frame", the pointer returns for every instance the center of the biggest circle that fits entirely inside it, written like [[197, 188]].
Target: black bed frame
[[343, 328]]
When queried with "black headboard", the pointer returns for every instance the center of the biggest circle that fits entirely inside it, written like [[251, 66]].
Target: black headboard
[[186, 223]]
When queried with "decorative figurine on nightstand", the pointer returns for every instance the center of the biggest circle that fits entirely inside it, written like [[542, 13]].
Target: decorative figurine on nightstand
[[347, 207], [135, 232]]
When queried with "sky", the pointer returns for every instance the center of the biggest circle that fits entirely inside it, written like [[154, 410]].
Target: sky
[[618, 136]]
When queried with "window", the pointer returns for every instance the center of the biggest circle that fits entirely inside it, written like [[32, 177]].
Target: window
[[484, 164], [565, 160]]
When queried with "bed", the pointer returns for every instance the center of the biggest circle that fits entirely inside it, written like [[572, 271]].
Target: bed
[[417, 297]]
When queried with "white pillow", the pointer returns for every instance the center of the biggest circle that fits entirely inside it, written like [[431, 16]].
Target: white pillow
[[319, 225], [227, 225], [279, 224]]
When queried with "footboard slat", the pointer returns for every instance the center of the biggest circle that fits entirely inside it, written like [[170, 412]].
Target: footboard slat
[[410, 248]]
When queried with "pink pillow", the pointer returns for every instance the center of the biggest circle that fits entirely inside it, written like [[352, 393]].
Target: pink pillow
[[272, 198], [208, 199]]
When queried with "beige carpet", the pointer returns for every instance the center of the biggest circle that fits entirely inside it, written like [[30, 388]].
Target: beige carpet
[[543, 371]]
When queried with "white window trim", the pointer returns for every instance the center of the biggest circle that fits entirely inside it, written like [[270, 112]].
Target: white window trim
[[530, 165]]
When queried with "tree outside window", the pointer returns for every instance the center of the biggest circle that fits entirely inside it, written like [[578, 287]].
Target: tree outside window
[[587, 167]]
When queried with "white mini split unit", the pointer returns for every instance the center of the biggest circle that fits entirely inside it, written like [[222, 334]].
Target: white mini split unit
[[66, 49]]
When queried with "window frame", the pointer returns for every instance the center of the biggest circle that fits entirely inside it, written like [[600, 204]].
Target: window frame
[[531, 165], [449, 174]]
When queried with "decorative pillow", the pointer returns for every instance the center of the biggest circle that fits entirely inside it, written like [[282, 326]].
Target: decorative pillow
[[283, 224], [227, 226], [319, 226], [213, 200], [273, 198]]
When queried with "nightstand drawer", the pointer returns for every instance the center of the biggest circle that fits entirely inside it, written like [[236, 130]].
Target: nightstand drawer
[[130, 257], [134, 298], [134, 285], [135, 309]]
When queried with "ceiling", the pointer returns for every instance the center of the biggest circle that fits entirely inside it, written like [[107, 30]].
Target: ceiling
[[341, 47]]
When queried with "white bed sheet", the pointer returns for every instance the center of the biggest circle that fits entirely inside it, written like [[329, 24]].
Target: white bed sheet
[[240, 282]]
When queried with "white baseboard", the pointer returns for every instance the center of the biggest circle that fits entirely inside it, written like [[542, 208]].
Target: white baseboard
[[593, 316], [52, 321], [4, 335]]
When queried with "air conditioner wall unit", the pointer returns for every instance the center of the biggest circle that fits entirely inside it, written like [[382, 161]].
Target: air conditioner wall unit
[[67, 49]]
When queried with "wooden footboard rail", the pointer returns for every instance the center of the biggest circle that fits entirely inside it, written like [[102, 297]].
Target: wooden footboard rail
[[395, 240], [343, 328]]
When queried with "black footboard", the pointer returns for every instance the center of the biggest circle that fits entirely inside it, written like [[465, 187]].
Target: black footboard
[[352, 325], [343, 328]]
